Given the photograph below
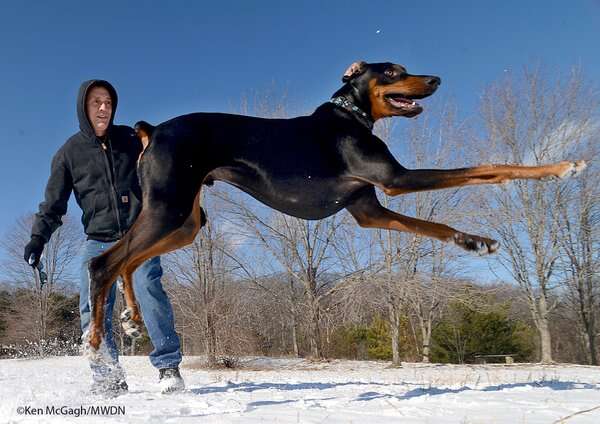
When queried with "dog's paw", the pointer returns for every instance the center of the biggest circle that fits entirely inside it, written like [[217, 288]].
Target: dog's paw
[[480, 245], [95, 356], [571, 169], [98, 356], [131, 327]]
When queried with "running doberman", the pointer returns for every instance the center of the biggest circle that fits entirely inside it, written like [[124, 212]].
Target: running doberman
[[309, 167]]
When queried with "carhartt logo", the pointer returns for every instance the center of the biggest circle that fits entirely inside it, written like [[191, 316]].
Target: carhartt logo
[[125, 199]]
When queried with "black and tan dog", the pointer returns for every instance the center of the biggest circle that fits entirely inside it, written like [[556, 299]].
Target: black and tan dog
[[309, 167]]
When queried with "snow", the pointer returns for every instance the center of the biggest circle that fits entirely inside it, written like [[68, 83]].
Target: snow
[[285, 390]]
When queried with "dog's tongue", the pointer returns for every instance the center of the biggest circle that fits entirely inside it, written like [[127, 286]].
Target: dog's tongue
[[400, 99]]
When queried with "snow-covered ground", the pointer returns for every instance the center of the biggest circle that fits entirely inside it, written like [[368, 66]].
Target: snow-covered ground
[[297, 391]]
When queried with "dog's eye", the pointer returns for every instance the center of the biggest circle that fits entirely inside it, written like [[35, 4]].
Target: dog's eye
[[390, 73]]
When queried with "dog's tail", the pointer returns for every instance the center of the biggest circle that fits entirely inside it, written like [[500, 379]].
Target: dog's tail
[[144, 131]]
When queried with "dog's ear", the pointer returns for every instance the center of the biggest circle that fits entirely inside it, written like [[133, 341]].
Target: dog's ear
[[354, 70]]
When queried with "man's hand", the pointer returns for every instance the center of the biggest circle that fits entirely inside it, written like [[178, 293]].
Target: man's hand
[[34, 250]]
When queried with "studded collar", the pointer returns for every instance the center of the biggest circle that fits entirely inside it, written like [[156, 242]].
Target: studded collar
[[360, 114]]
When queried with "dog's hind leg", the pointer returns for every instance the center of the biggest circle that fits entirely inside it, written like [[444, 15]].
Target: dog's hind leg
[[158, 229], [131, 319], [171, 173]]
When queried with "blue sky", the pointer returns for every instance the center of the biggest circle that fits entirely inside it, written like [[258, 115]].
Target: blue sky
[[167, 59]]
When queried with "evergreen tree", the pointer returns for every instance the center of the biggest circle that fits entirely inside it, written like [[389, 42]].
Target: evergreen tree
[[465, 332]]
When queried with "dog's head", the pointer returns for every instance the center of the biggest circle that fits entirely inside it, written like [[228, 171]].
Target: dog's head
[[387, 89]]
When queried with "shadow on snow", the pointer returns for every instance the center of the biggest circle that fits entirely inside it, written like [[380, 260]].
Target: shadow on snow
[[434, 391]]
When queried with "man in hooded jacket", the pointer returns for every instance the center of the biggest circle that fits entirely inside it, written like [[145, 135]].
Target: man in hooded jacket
[[98, 164]]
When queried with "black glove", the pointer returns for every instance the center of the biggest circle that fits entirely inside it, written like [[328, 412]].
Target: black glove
[[35, 247]]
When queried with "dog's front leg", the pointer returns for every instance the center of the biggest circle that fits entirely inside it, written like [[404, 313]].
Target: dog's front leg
[[369, 213], [409, 181]]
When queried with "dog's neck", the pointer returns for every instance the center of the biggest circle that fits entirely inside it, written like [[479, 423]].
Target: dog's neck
[[347, 98]]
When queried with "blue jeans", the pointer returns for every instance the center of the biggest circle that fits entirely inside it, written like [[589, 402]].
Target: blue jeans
[[154, 304]]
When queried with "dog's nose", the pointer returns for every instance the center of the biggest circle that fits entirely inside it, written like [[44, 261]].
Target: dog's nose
[[434, 81]]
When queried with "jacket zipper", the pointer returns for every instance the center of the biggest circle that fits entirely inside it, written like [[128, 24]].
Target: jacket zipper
[[108, 151]]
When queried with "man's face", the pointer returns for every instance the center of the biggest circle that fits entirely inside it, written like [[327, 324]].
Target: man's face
[[99, 109]]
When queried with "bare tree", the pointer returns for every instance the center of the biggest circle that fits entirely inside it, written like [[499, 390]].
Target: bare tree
[[533, 121], [426, 296], [579, 215], [414, 268], [34, 312], [303, 249], [197, 274]]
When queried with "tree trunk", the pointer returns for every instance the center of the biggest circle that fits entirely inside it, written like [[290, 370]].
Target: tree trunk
[[426, 335], [295, 335], [545, 340], [395, 327], [210, 338], [590, 334], [294, 320], [316, 349], [315, 330]]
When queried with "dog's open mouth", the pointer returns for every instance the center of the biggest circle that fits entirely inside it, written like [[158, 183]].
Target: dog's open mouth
[[403, 103]]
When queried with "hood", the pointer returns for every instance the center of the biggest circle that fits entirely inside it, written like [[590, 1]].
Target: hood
[[84, 123]]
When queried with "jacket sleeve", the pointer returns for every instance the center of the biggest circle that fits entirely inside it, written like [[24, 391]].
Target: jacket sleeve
[[54, 206]]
